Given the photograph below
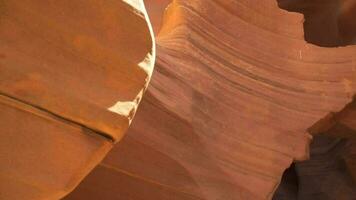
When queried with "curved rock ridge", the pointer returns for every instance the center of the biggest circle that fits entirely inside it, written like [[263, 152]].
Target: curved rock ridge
[[250, 87], [72, 74], [156, 9], [235, 96]]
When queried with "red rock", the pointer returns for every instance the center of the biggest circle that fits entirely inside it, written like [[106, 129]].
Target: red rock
[[156, 9], [71, 76], [235, 98], [235, 92]]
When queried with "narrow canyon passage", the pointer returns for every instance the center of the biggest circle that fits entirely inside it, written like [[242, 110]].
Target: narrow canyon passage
[[327, 23], [231, 100], [236, 88], [327, 175], [330, 172]]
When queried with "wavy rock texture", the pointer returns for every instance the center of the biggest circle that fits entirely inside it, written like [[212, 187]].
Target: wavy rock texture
[[71, 76], [235, 93], [156, 9]]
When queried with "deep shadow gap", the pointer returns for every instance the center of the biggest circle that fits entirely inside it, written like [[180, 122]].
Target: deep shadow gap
[[328, 23], [326, 176], [330, 173]]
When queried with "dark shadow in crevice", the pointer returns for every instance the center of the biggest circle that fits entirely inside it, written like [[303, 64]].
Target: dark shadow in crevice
[[326, 176], [330, 173], [328, 23], [288, 188]]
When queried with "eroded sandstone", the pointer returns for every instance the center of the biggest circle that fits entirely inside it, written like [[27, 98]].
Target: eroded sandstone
[[235, 93], [71, 76]]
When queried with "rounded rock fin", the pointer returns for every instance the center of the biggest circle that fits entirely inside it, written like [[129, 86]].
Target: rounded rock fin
[[128, 108]]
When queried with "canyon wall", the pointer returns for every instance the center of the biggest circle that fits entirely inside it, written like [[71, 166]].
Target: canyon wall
[[235, 98], [249, 100], [71, 76]]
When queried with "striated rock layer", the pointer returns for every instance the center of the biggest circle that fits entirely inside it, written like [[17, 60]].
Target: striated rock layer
[[236, 93], [156, 9], [71, 76]]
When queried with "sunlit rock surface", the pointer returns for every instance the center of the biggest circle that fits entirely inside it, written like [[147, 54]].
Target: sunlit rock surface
[[240, 89], [71, 76], [236, 94]]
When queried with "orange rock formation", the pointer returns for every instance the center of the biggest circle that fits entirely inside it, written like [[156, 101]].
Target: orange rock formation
[[71, 76], [235, 96], [240, 89]]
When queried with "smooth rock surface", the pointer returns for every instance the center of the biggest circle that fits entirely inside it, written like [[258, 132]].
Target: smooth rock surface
[[72, 74]]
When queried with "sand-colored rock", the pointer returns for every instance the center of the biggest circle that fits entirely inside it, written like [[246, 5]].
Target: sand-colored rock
[[156, 9], [235, 92], [71, 76]]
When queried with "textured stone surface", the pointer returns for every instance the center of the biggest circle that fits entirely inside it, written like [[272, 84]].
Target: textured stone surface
[[235, 93], [156, 9], [71, 76], [238, 90]]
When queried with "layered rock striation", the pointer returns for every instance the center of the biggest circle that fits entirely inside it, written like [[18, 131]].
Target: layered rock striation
[[236, 96]]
